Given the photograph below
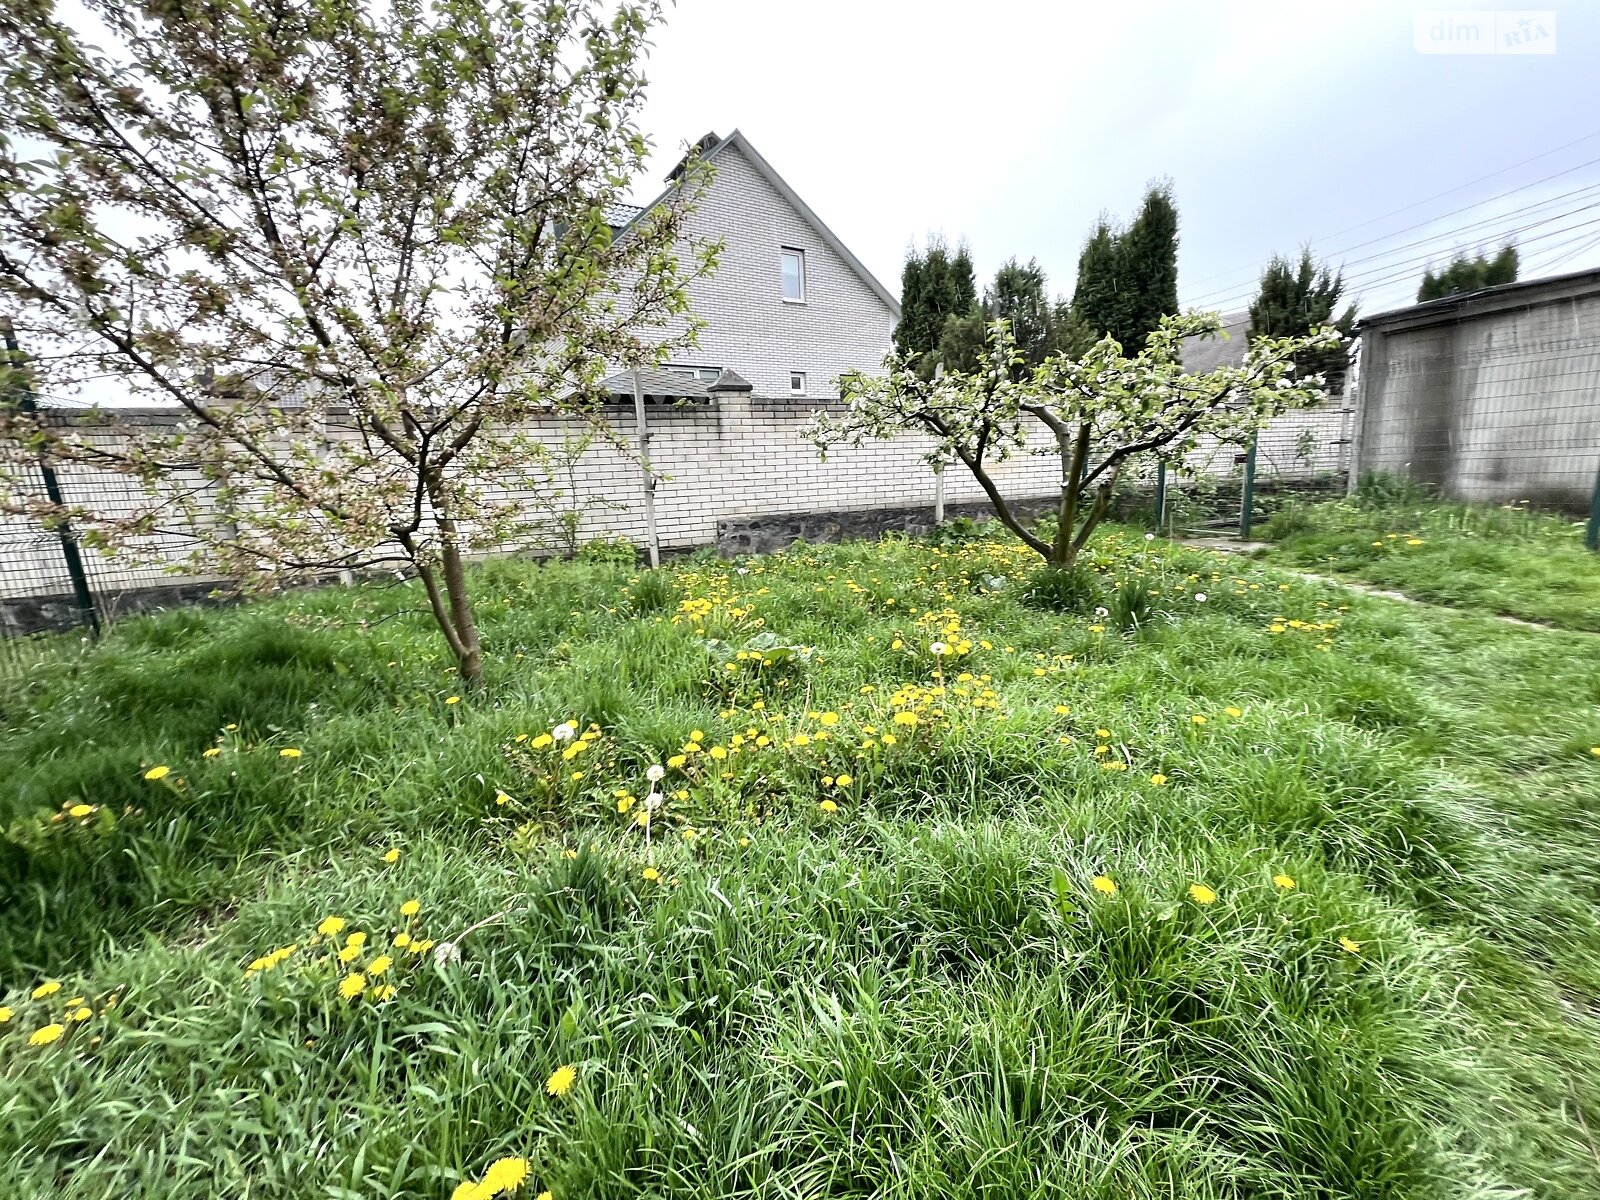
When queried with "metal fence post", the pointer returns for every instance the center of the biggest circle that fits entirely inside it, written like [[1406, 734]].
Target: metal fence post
[[1366, 354], [938, 472], [82, 598], [1592, 534], [1248, 502], [1161, 495]]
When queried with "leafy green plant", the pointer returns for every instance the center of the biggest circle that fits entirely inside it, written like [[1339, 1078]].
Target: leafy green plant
[[1133, 605], [1074, 589], [1290, 520], [763, 666], [617, 550], [652, 592]]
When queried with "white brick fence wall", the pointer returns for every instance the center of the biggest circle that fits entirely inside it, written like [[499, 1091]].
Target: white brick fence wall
[[738, 457]]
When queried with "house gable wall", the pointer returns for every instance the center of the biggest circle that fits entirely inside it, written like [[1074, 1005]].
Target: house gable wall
[[842, 325]]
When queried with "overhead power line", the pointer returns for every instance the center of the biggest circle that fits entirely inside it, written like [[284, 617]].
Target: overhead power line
[[1322, 240], [1588, 191]]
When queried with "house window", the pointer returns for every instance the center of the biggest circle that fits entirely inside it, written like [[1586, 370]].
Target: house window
[[797, 383], [703, 374], [794, 275]]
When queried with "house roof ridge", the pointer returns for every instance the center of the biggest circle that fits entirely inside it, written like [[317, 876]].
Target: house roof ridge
[[779, 185]]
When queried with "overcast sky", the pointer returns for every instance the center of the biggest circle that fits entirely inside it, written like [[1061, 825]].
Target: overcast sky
[[1013, 124]]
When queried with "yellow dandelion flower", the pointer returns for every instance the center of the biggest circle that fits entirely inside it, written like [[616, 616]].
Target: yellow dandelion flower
[[1062, 710], [391, 856], [502, 799], [353, 985], [379, 965], [1595, 750], [844, 781], [719, 752], [1202, 894], [561, 1080], [410, 908], [1413, 541], [907, 719], [44, 1036], [828, 806], [386, 992], [358, 938], [541, 741], [420, 947], [504, 1175], [652, 874], [1198, 719], [349, 954], [80, 810], [888, 739], [1350, 945], [155, 773], [402, 940], [1285, 882], [1104, 885], [1102, 733], [212, 752], [544, 1196], [1234, 712], [5, 1015], [802, 740], [1158, 779], [48, 988], [452, 699], [81, 1014], [677, 760], [468, 1190], [331, 926], [288, 752]]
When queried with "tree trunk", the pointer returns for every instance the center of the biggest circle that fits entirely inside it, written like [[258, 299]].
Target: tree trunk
[[1074, 460], [469, 658], [452, 608]]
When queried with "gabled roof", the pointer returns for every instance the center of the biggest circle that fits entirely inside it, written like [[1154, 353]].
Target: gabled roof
[[1522, 293], [655, 385], [710, 147], [619, 214], [1202, 354]]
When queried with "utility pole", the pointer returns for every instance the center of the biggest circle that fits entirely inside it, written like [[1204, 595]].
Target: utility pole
[[82, 598], [652, 544]]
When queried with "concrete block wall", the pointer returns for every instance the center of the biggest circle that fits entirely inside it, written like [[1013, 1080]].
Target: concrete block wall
[[1491, 398]]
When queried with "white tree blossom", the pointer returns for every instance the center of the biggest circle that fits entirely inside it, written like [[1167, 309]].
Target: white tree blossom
[[353, 247], [1100, 411]]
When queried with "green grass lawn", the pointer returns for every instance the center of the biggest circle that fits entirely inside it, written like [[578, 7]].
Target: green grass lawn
[[1290, 893], [1507, 561]]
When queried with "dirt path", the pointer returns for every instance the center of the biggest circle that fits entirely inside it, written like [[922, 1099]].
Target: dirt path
[[1237, 547]]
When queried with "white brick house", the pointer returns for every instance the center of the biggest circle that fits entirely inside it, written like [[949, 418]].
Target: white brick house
[[789, 308]]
